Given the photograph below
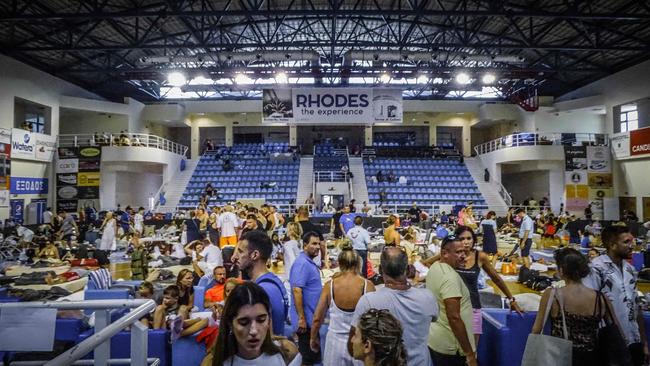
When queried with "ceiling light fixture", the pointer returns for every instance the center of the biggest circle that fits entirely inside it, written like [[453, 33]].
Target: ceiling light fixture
[[242, 79], [489, 78], [281, 77], [463, 78], [176, 78], [422, 79]]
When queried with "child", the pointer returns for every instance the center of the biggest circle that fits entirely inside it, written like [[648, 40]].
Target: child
[[167, 316], [593, 253], [146, 291], [139, 259]]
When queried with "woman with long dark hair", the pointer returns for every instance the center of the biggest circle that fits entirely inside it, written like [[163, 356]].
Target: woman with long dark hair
[[245, 332], [186, 292]]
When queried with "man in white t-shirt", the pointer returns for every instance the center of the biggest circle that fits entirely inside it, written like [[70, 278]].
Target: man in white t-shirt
[[25, 234], [209, 258], [47, 216], [138, 221], [228, 223]]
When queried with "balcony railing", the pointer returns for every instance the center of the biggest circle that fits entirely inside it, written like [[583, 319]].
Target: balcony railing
[[542, 138], [331, 176], [127, 139]]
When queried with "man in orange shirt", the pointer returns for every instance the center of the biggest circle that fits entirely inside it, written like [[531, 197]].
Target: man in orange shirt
[[214, 295]]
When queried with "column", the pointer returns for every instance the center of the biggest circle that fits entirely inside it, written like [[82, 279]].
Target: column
[[368, 135], [293, 135], [433, 138], [466, 143], [229, 134], [195, 140]]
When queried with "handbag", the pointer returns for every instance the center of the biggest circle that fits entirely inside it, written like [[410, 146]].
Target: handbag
[[611, 346], [544, 350]]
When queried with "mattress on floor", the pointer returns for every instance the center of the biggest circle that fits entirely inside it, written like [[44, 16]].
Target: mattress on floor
[[15, 271], [72, 286]]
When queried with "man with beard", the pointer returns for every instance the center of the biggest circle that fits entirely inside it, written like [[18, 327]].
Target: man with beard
[[214, 295], [615, 277], [253, 251]]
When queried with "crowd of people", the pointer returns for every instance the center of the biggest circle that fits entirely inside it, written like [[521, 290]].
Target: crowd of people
[[417, 305]]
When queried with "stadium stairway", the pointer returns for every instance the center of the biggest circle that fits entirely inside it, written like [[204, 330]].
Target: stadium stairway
[[359, 186], [305, 179], [176, 187], [490, 191]]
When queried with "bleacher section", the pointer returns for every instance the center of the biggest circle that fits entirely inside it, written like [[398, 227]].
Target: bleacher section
[[429, 182], [328, 158], [252, 168]]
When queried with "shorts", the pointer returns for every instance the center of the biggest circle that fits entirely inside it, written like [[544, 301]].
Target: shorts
[[309, 357], [477, 321], [227, 240], [525, 251]]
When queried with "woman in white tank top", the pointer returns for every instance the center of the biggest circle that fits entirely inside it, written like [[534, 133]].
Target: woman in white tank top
[[340, 296]]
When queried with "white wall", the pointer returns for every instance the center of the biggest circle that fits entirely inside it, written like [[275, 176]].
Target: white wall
[[548, 119], [135, 188], [630, 175], [529, 158], [91, 122], [22, 81], [522, 185], [144, 161]]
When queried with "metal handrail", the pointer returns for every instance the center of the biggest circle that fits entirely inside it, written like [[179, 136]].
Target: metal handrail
[[539, 138], [503, 192], [104, 330], [429, 209], [134, 140], [330, 176]]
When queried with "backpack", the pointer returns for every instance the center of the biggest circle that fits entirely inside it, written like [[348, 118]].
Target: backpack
[[285, 296]]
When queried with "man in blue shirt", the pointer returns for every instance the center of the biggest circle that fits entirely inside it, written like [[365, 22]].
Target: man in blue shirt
[[360, 240], [444, 218], [347, 220], [306, 287], [253, 251], [441, 231]]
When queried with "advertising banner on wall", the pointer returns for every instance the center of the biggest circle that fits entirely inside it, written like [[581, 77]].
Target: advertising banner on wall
[[575, 158], [576, 178], [599, 159], [640, 141], [67, 166], [78, 176], [5, 136], [332, 105], [17, 210], [600, 180], [22, 144], [45, 147], [620, 143]]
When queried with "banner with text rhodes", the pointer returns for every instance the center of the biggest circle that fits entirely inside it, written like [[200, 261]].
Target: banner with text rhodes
[[332, 105]]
